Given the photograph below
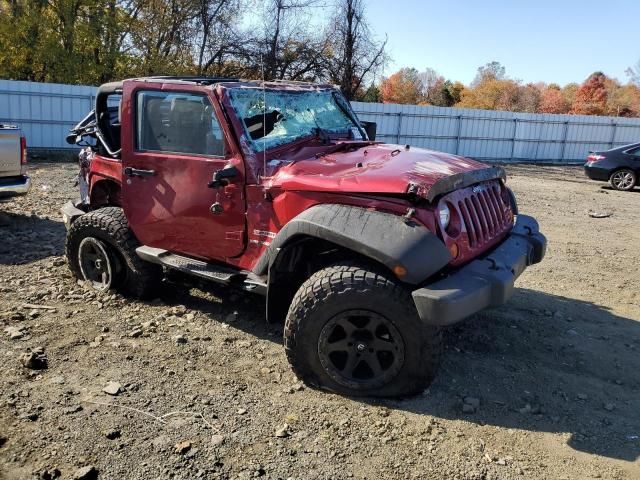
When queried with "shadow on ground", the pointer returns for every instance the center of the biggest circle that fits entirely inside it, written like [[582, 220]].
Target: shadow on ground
[[541, 363], [544, 363], [611, 189], [240, 309], [24, 239]]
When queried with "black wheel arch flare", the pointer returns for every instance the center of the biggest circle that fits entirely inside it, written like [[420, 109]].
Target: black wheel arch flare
[[388, 239]]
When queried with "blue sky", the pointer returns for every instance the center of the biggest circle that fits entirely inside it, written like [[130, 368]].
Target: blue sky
[[557, 41]]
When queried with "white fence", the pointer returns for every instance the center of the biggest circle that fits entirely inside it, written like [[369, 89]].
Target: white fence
[[499, 136], [47, 111]]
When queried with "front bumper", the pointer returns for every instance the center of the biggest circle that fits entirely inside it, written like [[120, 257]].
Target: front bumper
[[485, 282], [15, 186], [71, 211]]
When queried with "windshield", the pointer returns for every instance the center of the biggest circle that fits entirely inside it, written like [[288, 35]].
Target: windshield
[[273, 118]]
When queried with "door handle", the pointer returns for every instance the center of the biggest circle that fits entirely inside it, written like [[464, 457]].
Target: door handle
[[138, 172]]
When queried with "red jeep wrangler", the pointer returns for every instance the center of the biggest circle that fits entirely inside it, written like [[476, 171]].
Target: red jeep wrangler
[[364, 249]]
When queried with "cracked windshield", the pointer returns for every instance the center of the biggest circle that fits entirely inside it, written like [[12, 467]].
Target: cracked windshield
[[273, 118]]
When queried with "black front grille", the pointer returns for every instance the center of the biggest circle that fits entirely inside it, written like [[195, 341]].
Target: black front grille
[[484, 215]]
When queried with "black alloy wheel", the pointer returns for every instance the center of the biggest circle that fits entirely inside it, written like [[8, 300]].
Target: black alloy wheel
[[96, 265], [361, 349], [354, 329]]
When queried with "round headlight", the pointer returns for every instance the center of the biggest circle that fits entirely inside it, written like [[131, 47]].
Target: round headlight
[[445, 215]]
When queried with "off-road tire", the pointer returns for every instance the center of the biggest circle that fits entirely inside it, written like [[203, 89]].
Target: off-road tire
[[339, 288], [615, 184], [134, 277]]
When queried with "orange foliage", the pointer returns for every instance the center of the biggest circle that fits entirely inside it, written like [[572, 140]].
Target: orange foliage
[[404, 86], [597, 95], [591, 97], [491, 94], [553, 101]]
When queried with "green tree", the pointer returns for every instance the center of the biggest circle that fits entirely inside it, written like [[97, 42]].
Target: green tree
[[455, 90], [371, 94], [23, 37], [444, 93], [66, 41]]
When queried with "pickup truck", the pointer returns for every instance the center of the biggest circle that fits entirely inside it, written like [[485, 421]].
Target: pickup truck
[[365, 250], [13, 162]]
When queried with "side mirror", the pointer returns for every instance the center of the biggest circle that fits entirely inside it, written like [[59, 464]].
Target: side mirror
[[370, 128], [221, 177]]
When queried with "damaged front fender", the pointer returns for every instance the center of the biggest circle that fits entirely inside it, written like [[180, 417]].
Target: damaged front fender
[[405, 247]]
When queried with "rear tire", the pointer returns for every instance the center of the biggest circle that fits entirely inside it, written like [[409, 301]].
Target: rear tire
[[624, 179], [354, 331], [100, 248]]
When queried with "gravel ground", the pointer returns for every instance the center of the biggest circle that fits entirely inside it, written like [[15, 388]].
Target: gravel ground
[[546, 386]]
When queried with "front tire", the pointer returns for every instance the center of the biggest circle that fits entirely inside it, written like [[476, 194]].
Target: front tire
[[624, 179], [100, 249], [356, 332]]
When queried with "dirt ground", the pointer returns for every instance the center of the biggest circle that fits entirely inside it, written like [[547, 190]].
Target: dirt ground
[[206, 392]]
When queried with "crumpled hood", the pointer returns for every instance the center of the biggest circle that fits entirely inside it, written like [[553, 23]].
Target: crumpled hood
[[377, 168]]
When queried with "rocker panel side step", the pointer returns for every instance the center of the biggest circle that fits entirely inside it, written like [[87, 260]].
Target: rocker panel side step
[[189, 265]]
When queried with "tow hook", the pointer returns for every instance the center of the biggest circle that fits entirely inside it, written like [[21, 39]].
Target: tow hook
[[410, 213]]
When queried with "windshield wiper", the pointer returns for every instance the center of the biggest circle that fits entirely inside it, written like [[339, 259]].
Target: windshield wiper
[[321, 133], [343, 146]]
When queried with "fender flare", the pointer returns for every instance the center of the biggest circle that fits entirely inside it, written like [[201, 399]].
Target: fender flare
[[389, 239], [107, 186]]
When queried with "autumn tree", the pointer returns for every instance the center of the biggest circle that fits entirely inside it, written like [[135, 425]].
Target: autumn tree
[[591, 97], [622, 100], [492, 90], [569, 92], [528, 98], [404, 86], [491, 71], [94, 41], [552, 100], [491, 94]]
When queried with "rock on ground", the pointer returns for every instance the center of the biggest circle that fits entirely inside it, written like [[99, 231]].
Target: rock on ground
[[544, 367]]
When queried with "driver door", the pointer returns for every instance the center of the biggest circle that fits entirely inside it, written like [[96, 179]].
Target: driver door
[[174, 148]]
